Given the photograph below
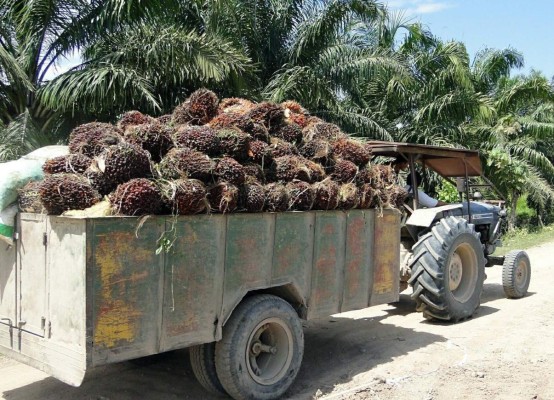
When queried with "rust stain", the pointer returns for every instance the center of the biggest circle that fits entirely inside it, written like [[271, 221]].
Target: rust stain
[[385, 258], [117, 320]]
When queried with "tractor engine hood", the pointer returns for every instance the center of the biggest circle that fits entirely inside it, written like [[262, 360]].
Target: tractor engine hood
[[481, 213]]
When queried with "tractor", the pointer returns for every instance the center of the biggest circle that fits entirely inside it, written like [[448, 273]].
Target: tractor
[[445, 249]]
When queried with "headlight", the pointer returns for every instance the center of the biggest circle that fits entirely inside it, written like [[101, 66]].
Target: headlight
[[502, 213]]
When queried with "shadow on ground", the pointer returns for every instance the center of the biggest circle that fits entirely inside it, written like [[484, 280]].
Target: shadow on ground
[[336, 349]]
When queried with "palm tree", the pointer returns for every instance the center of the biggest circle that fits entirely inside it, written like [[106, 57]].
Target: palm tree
[[132, 56], [311, 51]]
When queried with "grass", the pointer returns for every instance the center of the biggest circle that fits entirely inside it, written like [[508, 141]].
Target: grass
[[523, 238]]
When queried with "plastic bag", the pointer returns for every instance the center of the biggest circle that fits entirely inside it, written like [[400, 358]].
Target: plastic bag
[[16, 174], [7, 223]]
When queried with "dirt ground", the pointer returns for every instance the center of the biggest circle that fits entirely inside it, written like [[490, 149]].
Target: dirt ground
[[506, 351]]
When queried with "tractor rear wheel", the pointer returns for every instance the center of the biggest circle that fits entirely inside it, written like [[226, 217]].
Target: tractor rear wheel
[[448, 270]]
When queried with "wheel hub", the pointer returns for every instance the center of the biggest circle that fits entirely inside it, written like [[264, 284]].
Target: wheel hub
[[455, 271], [269, 351], [521, 273]]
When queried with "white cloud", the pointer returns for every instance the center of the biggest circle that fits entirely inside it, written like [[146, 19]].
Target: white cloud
[[415, 7], [428, 8]]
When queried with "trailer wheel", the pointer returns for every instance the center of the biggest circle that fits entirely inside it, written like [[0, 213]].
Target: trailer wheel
[[448, 270], [261, 350], [516, 274], [202, 360]]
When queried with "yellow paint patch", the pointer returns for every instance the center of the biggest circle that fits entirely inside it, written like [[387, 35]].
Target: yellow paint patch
[[116, 324], [386, 254], [118, 321]]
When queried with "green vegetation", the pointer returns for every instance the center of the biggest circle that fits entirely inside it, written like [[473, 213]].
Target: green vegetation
[[524, 238], [352, 62]]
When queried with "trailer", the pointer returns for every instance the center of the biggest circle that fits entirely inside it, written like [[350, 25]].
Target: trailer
[[77, 293]]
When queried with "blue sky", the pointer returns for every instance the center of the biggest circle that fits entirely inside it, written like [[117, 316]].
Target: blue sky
[[527, 26]]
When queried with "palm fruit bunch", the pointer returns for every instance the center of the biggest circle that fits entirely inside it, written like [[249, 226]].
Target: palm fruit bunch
[[348, 196], [186, 163], [287, 131], [235, 105], [259, 151], [383, 175], [326, 195], [322, 131], [257, 131], [276, 197], [230, 170], [268, 114], [155, 138], [301, 195], [317, 150], [199, 109], [122, 162], [200, 138], [295, 113], [397, 196], [133, 118], [164, 119], [138, 196], [367, 195], [234, 143], [29, 198], [91, 139], [288, 168], [351, 150], [63, 192], [344, 171], [223, 197], [185, 196], [76, 163], [252, 197], [279, 148], [253, 173], [217, 156]]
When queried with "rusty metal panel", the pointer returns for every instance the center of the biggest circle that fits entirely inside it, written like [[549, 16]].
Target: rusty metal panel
[[358, 266], [127, 283], [248, 256], [8, 283], [386, 271], [194, 268], [328, 263], [293, 250], [32, 273]]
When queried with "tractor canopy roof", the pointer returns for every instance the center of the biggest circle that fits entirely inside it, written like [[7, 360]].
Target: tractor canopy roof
[[447, 162]]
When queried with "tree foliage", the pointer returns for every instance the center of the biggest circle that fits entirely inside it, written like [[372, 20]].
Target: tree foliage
[[353, 62]]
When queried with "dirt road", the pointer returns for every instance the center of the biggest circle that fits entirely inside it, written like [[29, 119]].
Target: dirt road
[[506, 351]]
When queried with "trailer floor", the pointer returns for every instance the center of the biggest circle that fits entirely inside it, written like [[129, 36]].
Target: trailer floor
[[506, 351]]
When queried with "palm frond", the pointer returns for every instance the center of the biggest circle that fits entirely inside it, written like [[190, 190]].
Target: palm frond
[[490, 65], [322, 22], [22, 136], [98, 88]]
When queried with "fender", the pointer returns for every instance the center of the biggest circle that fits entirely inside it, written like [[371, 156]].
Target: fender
[[424, 217]]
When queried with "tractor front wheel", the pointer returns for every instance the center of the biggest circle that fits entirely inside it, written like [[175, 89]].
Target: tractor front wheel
[[516, 274]]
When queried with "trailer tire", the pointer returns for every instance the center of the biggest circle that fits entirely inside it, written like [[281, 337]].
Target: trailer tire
[[202, 361], [516, 274], [448, 270], [261, 349]]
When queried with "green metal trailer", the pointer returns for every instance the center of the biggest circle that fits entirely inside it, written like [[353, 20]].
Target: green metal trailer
[[76, 293]]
